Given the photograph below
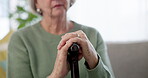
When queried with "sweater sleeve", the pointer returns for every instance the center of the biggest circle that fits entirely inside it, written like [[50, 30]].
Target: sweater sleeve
[[103, 68], [18, 59]]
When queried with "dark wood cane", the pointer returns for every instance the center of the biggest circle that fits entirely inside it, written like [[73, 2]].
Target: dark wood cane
[[73, 52]]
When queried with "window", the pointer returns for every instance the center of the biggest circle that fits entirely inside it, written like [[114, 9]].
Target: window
[[4, 20], [116, 20]]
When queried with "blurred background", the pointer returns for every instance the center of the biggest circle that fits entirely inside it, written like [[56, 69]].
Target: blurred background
[[123, 25]]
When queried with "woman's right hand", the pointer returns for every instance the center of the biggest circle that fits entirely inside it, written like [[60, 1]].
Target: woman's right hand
[[61, 67]]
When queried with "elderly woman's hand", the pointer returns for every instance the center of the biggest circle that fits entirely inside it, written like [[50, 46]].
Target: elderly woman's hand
[[87, 50], [61, 67]]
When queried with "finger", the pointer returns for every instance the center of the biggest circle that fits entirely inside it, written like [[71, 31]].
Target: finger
[[65, 38], [64, 49], [69, 43], [81, 33], [77, 40]]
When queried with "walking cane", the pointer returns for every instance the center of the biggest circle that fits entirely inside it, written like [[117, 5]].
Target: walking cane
[[73, 60]]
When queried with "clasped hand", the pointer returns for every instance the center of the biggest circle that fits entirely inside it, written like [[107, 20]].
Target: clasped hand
[[61, 67]]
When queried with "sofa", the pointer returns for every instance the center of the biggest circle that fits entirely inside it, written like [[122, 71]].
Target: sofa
[[129, 59]]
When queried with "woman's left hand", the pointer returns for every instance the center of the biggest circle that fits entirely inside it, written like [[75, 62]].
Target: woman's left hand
[[86, 48]]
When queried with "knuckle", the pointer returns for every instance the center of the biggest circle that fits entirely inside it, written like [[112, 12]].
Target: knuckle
[[69, 35], [69, 43], [80, 30], [65, 35], [73, 40], [83, 35]]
